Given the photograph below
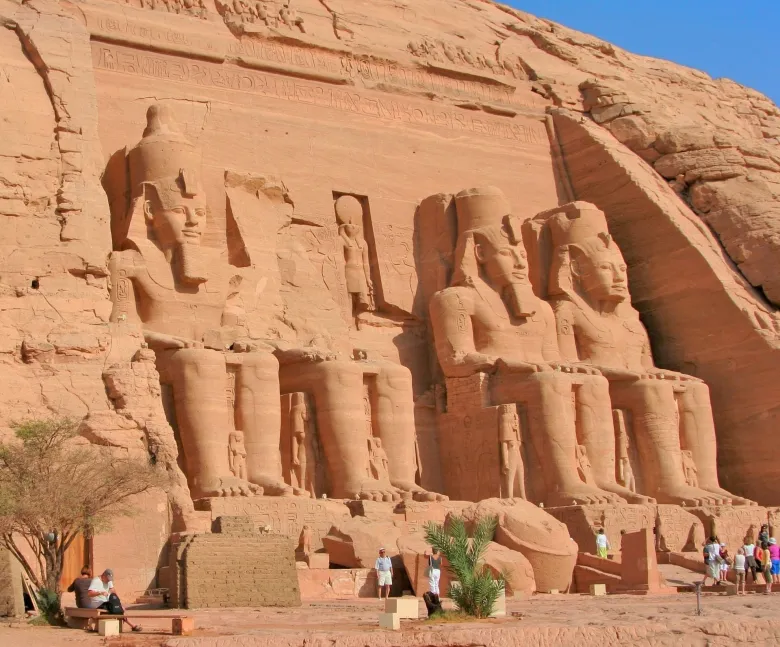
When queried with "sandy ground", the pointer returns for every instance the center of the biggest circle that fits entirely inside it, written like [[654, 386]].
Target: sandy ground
[[542, 620]]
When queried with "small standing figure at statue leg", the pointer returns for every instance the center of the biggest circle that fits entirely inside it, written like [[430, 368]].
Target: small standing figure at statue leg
[[511, 458], [237, 454]]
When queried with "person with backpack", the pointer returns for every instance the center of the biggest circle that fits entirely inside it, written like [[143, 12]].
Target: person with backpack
[[102, 596], [712, 561]]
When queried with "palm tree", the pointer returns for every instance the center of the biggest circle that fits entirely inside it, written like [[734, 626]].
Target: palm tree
[[477, 589]]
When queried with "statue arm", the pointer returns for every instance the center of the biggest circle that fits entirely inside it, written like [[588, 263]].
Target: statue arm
[[366, 265], [122, 271], [453, 333], [564, 327], [550, 350]]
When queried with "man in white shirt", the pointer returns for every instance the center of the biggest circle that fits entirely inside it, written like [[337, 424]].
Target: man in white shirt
[[100, 589], [384, 574]]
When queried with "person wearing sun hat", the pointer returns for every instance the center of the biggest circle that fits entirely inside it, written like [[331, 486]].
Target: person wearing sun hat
[[384, 574]]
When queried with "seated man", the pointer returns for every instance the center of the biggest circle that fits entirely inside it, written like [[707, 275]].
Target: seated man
[[100, 590], [80, 586]]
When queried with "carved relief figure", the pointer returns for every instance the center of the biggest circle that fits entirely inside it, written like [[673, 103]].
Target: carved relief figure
[[583, 464], [237, 454], [349, 214], [490, 320], [304, 541], [176, 288], [596, 324], [302, 440], [511, 453], [380, 464], [625, 470], [689, 468]]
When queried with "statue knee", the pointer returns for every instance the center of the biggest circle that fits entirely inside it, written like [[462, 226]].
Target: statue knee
[[656, 394], [395, 376], [552, 382], [200, 357], [260, 364], [594, 388]]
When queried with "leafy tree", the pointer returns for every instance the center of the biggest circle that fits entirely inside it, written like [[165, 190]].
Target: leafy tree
[[478, 589], [53, 488]]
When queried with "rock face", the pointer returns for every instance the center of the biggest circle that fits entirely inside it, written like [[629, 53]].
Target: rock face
[[269, 245]]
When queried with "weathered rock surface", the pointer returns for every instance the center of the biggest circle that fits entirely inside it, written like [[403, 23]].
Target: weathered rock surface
[[294, 108]]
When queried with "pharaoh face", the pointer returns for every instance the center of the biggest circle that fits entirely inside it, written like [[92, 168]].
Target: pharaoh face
[[602, 274], [504, 263], [179, 223]]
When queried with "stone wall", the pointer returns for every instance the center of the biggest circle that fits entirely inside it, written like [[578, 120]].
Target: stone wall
[[11, 602], [237, 567]]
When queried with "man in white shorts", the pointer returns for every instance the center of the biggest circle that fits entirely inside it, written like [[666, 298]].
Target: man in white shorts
[[384, 574]]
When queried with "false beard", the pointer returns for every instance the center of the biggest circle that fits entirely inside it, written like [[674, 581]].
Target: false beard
[[521, 300], [190, 263]]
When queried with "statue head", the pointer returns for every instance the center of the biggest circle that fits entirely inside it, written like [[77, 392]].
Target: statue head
[[490, 246], [586, 259], [166, 189]]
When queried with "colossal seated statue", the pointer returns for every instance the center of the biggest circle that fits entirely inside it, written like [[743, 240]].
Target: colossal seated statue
[[489, 320], [178, 290], [670, 413], [186, 296]]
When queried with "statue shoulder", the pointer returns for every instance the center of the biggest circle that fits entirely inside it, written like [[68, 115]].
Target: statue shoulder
[[458, 298]]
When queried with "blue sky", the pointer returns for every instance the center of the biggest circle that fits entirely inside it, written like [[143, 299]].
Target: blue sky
[[737, 40]]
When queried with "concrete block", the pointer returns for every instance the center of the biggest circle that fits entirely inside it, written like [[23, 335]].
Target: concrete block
[[109, 627], [183, 626], [731, 589], [403, 607], [553, 591], [499, 608], [598, 589], [389, 621]]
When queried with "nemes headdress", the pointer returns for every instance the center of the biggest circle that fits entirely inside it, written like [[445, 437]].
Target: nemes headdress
[[484, 212], [579, 225], [163, 165]]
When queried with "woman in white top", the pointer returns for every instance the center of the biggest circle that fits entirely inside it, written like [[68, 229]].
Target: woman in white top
[[739, 569], [750, 558]]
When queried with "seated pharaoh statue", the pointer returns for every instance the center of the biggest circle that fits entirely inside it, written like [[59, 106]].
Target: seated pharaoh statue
[[669, 413], [178, 289], [490, 321], [181, 287]]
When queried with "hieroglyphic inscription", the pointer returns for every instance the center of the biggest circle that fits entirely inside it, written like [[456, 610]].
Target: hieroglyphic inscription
[[229, 77], [373, 70]]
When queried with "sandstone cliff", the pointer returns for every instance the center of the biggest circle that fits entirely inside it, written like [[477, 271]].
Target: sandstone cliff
[[687, 169]]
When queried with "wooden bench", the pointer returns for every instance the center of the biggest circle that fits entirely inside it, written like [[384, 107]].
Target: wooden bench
[[181, 625]]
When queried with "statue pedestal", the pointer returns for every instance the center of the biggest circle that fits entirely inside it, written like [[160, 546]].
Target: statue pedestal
[[678, 529], [282, 515]]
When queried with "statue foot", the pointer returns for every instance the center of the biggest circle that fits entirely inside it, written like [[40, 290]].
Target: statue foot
[[272, 486], [582, 494], [689, 496], [232, 486], [625, 493], [377, 491], [419, 494], [734, 500]]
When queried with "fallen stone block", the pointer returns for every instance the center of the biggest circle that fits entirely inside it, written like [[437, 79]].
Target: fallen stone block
[[403, 607], [598, 589], [389, 621], [108, 627]]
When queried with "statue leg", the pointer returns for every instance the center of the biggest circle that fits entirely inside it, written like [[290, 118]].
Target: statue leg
[[395, 422], [547, 398], [697, 432], [654, 408], [258, 415], [337, 388], [594, 411], [199, 383]]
